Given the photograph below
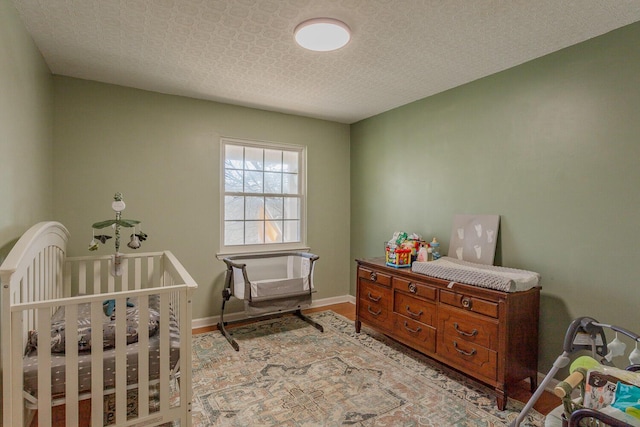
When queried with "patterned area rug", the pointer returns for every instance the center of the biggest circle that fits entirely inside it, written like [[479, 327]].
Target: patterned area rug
[[287, 373]]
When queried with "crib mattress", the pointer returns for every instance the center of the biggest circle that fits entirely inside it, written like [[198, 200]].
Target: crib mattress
[[58, 365], [486, 276]]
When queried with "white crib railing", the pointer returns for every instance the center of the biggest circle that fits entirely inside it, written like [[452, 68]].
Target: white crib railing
[[40, 281]]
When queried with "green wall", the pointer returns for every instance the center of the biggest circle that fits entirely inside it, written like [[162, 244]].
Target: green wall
[[163, 153], [553, 146], [26, 113], [26, 142]]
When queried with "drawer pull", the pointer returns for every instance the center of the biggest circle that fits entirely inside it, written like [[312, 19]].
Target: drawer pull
[[372, 298], [466, 353], [413, 288], [411, 313], [413, 331], [375, 313], [463, 333], [373, 276], [466, 302]]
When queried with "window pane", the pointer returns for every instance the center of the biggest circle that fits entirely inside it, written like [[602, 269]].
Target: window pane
[[273, 160], [253, 182], [253, 158], [233, 181], [291, 231], [273, 207], [273, 182], [233, 207], [289, 183], [233, 156], [234, 232], [254, 208], [263, 194], [254, 232], [291, 208], [290, 161], [273, 232]]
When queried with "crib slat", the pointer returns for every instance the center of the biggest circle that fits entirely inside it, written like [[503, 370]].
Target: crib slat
[[97, 285], [37, 279], [184, 318], [121, 360], [66, 274], [97, 405], [71, 361], [164, 351], [150, 273], [143, 359], [82, 277], [124, 279], [111, 285], [138, 273], [44, 367], [16, 365]]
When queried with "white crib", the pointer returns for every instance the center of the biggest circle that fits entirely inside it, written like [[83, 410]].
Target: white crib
[[38, 281]]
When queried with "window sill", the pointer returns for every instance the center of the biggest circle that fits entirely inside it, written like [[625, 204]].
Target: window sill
[[254, 251]]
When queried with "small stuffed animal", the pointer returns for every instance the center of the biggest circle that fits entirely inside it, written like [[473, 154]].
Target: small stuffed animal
[[110, 305]]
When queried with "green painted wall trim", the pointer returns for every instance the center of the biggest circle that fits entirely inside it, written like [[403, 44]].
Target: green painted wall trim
[[552, 146]]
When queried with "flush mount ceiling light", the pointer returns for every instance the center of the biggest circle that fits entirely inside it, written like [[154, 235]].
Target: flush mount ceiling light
[[322, 34]]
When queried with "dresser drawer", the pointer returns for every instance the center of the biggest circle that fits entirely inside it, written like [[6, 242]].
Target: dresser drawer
[[374, 303], [477, 359], [415, 288], [468, 327], [470, 303], [421, 336], [374, 276], [414, 308]]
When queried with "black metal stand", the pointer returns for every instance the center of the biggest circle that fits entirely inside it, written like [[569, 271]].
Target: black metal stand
[[226, 294]]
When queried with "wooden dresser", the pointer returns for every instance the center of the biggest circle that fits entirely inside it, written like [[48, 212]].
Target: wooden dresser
[[489, 335]]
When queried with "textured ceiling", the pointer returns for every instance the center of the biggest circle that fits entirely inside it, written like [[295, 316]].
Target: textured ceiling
[[242, 51]]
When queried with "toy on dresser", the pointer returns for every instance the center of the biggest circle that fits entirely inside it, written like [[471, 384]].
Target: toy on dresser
[[402, 249]]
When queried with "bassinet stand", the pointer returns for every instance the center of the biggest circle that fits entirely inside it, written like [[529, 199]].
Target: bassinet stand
[[227, 293]]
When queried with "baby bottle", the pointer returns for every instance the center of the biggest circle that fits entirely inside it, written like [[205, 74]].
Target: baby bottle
[[435, 248]]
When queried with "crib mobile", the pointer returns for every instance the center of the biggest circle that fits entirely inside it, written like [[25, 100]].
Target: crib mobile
[[585, 333], [118, 206]]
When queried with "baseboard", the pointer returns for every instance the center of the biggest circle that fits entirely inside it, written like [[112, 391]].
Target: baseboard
[[552, 383], [213, 320]]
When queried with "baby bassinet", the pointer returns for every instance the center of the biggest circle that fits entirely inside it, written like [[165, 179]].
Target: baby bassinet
[[269, 284]]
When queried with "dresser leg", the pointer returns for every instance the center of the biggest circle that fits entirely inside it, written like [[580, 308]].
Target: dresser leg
[[534, 382], [501, 399], [358, 325]]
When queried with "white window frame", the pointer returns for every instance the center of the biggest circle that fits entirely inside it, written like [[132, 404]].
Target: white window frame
[[302, 194]]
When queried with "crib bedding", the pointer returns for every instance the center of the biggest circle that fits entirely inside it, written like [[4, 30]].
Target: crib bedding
[[487, 276], [58, 326], [58, 364]]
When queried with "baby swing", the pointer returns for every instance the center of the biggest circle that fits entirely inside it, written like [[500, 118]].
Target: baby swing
[[608, 396]]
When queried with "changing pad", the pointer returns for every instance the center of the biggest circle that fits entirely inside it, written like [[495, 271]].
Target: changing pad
[[486, 276]]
